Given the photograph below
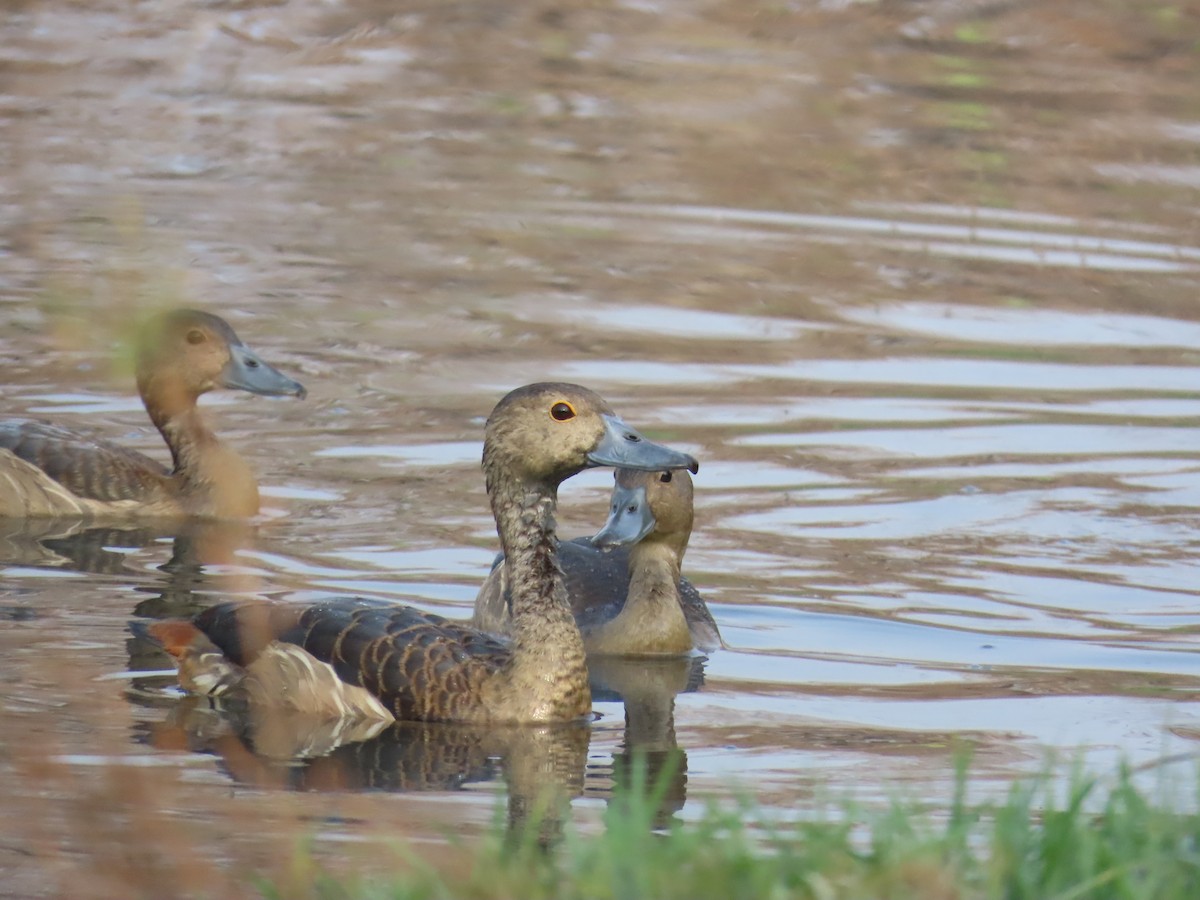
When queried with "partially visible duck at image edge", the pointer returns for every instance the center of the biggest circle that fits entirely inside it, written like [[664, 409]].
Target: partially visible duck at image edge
[[50, 470]]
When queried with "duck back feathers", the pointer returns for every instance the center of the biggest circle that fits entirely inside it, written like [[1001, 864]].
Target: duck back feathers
[[87, 467], [417, 665]]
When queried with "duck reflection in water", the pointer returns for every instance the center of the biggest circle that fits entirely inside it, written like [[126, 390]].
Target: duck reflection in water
[[647, 688], [543, 767], [124, 554]]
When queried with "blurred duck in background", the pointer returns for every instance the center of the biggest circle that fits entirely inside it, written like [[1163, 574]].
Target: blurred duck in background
[[48, 470]]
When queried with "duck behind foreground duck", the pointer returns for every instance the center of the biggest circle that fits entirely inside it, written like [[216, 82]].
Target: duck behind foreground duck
[[48, 470], [624, 584], [351, 657]]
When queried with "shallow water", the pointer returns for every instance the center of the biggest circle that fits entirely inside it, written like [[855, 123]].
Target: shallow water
[[915, 281]]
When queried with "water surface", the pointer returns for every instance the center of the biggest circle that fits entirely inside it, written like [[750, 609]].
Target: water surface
[[915, 281]]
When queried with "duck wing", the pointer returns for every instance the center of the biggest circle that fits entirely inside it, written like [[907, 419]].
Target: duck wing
[[420, 666], [705, 634], [597, 581], [86, 466]]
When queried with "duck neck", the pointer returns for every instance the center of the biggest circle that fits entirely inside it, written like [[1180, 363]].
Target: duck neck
[[213, 479], [525, 520], [547, 646], [651, 623], [654, 578]]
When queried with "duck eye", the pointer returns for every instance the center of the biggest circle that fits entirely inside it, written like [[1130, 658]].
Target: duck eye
[[195, 336], [665, 477], [562, 411]]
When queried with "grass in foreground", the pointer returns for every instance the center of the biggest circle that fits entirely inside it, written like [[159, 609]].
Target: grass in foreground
[[1099, 841]]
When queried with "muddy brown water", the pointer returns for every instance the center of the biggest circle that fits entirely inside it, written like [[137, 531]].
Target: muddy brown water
[[916, 281]]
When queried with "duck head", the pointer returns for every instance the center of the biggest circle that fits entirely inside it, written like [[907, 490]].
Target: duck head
[[544, 433], [645, 504], [187, 352]]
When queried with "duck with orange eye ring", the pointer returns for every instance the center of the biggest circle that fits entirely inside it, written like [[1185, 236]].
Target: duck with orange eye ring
[[355, 658]]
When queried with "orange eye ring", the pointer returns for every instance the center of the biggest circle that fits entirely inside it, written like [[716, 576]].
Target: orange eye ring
[[562, 411]]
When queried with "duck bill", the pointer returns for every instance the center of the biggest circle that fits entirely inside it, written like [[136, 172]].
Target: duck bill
[[629, 521], [625, 448], [246, 371]]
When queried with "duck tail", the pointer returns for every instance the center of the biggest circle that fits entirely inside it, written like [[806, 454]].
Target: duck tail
[[203, 668], [176, 636]]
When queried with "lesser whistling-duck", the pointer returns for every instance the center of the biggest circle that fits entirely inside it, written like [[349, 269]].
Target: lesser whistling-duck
[[48, 470], [353, 657], [624, 583]]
